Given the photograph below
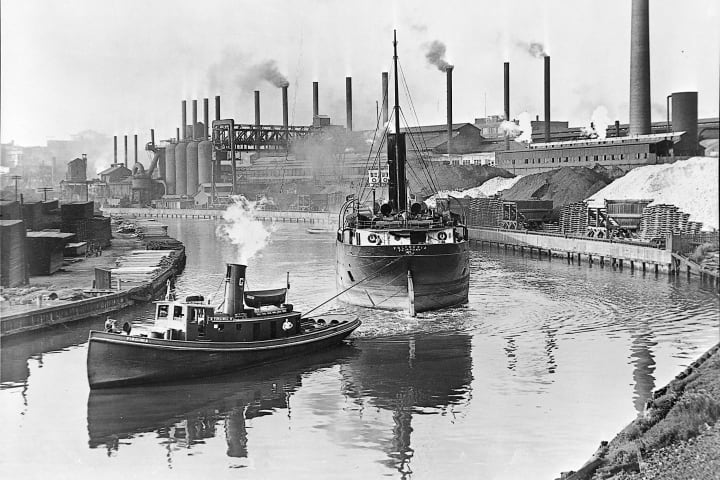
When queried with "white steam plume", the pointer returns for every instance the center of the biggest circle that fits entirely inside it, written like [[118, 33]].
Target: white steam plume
[[599, 121], [241, 228], [520, 131]]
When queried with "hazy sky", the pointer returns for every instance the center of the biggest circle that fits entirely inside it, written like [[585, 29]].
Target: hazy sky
[[122, 67]]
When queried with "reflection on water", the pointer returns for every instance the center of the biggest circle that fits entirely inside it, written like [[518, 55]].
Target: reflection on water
[[406, 376], [193, 409], [417, 375], [544, 361]]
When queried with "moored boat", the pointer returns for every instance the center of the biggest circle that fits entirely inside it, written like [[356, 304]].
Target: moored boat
[[191, 339], [400, 255]]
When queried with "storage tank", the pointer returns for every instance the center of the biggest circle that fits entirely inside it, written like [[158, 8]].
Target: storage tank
[[181, 168], [170, 169], [205, 162], [192, 167], [685, 119]]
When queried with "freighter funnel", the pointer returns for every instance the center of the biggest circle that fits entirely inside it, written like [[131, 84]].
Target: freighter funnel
[[234, 288]]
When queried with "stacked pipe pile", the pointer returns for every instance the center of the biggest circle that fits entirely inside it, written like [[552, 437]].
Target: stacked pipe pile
[[485, 212], [140, 267], [574, 218], [663, 219]]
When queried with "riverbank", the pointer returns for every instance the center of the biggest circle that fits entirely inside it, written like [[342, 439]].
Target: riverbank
[[69, 294], [678, 435]]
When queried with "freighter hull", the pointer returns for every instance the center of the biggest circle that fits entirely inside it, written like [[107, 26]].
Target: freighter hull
[[377, 276]]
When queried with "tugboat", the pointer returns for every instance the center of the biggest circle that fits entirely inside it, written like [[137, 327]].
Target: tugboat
[[398, 258], [191, 339]]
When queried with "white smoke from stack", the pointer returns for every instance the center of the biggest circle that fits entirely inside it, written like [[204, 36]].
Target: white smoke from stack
[[535, 49], [509, 128], [521, 131], [525, 124], [241, 228], [599, 122], [436, 55]]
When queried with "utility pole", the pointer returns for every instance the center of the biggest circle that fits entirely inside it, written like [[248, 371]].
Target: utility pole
[[16, 178], [44, 191]]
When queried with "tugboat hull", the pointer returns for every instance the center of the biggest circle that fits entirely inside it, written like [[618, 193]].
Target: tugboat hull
[[377, 276], [118, 360]]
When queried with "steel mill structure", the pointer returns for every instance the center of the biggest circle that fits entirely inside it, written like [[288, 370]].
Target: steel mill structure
[[247, 157]]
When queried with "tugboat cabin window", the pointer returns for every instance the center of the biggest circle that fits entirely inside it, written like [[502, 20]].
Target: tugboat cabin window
[[163, 311], [178, 312]]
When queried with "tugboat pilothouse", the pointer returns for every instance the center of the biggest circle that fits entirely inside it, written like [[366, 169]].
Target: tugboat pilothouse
[[398, 258]]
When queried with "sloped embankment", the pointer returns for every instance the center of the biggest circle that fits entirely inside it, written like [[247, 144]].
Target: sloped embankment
[[678, 436], [563, 186], [451, 177]]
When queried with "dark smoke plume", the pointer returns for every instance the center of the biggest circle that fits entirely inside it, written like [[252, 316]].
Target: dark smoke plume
[[268, 70], [536, 49], [237, 69], [436, 55]]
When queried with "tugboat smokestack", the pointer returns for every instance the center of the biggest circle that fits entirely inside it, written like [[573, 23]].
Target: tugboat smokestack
[[234, 288]]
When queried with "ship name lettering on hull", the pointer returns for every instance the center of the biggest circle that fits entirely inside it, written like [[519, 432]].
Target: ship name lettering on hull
[[409, 249]]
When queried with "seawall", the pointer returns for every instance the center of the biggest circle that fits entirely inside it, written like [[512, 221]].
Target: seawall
[[264, 215]]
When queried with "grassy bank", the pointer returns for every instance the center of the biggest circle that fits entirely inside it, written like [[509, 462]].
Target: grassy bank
[[676, 437]]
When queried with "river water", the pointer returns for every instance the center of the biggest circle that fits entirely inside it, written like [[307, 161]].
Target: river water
[[545, 361]]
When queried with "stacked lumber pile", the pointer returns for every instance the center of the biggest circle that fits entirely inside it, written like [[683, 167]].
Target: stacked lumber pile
[[663, 219], [485, 212], [149, 228], [574, 218], [140, 266]]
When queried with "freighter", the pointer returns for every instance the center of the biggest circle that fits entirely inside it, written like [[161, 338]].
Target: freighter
[[398, 258]]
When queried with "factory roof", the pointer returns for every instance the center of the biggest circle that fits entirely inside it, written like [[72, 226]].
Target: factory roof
[[9, 223], [652, 138], [43, 234], [442, 128], [114, 168]]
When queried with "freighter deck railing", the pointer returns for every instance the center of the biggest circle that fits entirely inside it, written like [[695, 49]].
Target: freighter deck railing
[[408, 224]]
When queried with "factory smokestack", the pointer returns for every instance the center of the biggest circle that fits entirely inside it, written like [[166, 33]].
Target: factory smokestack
[[547, 97], [640, 68], [115, 150], [384, 97], [217, 107], [184, 120], [136, 149], [448, 71], [125, 164], [685, 119], [257, 121], [177, 133], [506, 95], [194, 119], [206, 117], [152, 136], [285, 107], [316, 104], [285, 113], [348, 103]]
